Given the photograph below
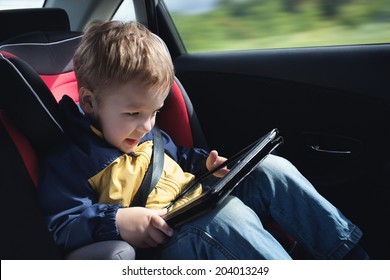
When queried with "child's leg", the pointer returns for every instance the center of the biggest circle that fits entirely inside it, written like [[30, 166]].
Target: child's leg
[[231, 231], [277, 189]]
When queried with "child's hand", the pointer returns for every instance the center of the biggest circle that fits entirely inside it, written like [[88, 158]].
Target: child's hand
[[142, 227], [213, 160]]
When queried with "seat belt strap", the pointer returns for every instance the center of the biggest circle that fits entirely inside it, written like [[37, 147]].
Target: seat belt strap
[[153, 172]]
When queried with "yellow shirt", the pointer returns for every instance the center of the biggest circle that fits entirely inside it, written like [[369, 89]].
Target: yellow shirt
[[119, 182]]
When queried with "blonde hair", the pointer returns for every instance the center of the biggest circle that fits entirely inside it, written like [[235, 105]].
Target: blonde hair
[[114, 52]]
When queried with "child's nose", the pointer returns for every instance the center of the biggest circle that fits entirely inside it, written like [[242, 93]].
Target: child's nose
[[146, 126]]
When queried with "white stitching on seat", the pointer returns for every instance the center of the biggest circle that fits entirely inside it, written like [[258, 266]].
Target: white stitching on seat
[[41, 44]]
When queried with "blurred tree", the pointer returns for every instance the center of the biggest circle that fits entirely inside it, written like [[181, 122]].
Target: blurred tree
[[330, 8], [290, 6]]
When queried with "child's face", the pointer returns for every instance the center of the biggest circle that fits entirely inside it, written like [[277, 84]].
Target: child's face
[[126, 113]]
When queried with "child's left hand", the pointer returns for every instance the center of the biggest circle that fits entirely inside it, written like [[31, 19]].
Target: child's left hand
[[213, 160]]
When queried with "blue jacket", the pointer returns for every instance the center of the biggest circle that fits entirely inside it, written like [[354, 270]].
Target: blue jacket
[[69, 204]]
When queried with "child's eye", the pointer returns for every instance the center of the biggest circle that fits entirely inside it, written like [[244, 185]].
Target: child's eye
[[132, 114]]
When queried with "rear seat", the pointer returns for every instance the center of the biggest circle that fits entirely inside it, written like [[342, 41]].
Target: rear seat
[[20, 21]]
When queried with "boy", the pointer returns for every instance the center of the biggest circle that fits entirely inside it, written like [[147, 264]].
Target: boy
[[124, 73]]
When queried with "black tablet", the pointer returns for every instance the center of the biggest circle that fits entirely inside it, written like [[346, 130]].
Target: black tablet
[[241, 163]]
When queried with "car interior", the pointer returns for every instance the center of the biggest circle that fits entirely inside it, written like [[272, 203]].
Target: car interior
[[331, 104]]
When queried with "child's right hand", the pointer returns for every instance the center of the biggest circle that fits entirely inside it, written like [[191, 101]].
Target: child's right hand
[[142, 227]]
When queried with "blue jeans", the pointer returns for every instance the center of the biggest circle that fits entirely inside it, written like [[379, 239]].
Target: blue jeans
[[276, 190]]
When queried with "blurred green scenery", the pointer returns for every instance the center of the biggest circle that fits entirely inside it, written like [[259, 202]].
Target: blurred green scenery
[[260, 24]]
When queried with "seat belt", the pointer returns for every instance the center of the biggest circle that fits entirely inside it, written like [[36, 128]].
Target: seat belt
[[154, 171]]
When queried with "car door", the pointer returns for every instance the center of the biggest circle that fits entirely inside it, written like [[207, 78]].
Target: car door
[[330, 103]]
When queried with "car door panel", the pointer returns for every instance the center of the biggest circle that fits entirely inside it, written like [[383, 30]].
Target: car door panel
[[331, 104]]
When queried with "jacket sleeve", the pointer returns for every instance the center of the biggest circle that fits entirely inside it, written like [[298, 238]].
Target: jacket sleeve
[[69, 205]]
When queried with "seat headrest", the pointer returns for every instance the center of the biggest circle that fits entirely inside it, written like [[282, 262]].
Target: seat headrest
[[19, 21], [51, 56], [48, 53]]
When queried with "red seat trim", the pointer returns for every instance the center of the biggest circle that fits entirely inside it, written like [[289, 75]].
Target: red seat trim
[[61, 84], [7, 54], [178, 129], [25, 150]]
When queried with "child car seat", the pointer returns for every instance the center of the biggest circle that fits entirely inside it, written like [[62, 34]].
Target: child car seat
[[28, 128], [37, 71]]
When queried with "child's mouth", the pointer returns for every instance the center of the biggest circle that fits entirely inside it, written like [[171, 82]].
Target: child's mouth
[[131, 142]]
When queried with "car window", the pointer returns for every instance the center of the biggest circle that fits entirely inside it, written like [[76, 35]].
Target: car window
[[20, 4], [208, 25], [125, 11]]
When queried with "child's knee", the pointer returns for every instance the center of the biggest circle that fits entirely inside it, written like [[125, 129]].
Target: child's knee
[[280, 173], [277, 164], [275, 168]]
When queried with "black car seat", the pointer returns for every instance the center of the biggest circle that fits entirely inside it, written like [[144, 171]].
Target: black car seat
[[36, 72], [24, 235]]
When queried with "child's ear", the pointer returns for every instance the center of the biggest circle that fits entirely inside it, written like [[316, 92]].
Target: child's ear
[[86, 100]]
